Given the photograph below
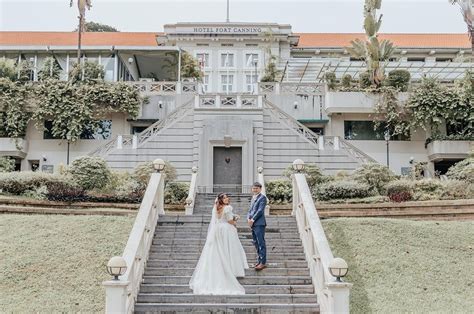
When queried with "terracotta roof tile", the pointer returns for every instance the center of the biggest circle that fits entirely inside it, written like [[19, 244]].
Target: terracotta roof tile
[[70, 39], [321, 40], [326, 40]]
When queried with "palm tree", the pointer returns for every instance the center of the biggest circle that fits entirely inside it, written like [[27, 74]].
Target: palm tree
[[372, 51], [467, 11], [82, 5]]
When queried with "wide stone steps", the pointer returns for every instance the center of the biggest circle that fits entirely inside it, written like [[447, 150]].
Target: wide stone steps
[[285, 286], [199, 308], [249, 289], [249, 280], [155, 271], [250, 298]]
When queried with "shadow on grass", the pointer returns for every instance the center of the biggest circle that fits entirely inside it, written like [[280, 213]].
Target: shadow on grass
[[359, 300]]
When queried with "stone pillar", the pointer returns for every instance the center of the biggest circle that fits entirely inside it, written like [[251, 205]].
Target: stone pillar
[[115, 296], [339, 296]]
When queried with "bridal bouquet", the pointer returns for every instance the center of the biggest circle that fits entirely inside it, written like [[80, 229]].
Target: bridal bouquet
[[236, 217]]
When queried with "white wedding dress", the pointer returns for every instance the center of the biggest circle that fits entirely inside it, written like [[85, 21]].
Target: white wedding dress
[[222, 259]]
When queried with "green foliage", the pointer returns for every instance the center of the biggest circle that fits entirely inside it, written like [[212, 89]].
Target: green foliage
[[364, 80], [40, 193], [427, 189], [279, 191], [390, 114], [90, 172], [75, 107], [399, 79], [313, 174], [271, 73], [98, 27], [143, 171], [8, 69], [341, 190], [7, 164], [373, 51], [346, 81], [330, 79], [431, 105], [190, 66], [18, 183], [462, 171], [86, 71], [376, 176], [176, 193], [455, 189], [400, 190], [13, 113], [50, 70]]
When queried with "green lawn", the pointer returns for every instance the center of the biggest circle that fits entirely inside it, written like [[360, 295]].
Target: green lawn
[[406, 266], [56, 263]]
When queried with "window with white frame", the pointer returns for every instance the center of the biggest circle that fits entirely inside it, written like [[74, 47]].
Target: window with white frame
[[205, 83], [227, 83], [227, 60], [251, 60], [203, 59], [250, 81]]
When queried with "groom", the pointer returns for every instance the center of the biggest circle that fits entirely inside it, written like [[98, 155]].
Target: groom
[[256, 221]]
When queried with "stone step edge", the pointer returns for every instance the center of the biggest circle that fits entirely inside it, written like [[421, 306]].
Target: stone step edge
[[246, 277]]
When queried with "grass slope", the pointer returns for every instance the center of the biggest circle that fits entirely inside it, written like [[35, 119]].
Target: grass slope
[[56, 263], [406, 266]]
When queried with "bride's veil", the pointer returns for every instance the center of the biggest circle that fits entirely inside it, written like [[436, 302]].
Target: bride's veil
[[210, 238]]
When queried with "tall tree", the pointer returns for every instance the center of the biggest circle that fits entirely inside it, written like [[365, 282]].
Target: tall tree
[[98, 27], [82, 5], [372, 51], [467, 11]]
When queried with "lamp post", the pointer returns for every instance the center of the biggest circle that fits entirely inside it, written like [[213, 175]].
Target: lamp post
[[116, 267], [387, 141], [68, 138], [338, 268], [159, 165], [298, 165]]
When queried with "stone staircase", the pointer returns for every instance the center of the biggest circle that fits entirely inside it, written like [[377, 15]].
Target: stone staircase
[[285, 286]]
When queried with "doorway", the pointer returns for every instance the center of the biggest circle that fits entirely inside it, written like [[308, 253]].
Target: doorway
[[227, 169]]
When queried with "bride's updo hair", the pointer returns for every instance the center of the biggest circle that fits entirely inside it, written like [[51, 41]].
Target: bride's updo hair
[[220, 201]]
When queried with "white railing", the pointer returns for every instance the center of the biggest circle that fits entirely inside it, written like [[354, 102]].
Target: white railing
[[137, 249], [333, 297], [227, 101], [164, 88], [191, 199], [261, 180], [133, 141], [338, 143], [292, 123], [278, 88]]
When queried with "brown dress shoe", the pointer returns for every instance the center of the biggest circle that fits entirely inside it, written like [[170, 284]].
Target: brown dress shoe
[[260, 267]]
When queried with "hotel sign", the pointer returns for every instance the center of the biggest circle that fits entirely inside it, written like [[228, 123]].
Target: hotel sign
[[226, 30]]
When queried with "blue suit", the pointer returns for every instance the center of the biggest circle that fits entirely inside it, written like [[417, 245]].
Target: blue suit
[[257, 213]]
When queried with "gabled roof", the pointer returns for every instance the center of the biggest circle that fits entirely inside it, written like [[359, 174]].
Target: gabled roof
[[333, 40], [70, 39]]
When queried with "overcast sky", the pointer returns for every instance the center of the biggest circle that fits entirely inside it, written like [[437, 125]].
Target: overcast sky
[[403, 16]]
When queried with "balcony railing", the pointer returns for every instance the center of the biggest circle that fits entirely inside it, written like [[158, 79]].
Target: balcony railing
[[227, 101], [165, 88], [290, 88], [438, 150]]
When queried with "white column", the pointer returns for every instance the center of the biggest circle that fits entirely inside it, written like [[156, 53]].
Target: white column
[[35, 72], [134, 141], [336, 142], [119, 141], [339, 296], [115, 67], [115, 296], [67, 66], [295, 195], [321, 142]]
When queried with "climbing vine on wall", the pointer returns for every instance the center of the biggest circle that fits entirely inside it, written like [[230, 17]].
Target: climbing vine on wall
[[71, 105]]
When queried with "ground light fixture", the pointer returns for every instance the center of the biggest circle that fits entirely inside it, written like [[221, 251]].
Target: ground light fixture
[[338, 268], [298, 165], [116, 267], [159, 164]]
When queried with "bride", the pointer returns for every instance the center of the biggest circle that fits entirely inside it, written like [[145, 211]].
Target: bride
[[223, 258]]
